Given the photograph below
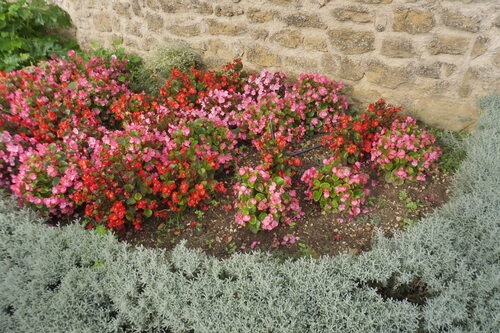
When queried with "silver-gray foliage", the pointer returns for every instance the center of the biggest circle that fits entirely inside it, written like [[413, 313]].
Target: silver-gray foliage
[[72, 280]]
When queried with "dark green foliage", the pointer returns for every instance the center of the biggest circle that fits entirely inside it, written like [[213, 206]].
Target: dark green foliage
[[440, 276], [24, 33]]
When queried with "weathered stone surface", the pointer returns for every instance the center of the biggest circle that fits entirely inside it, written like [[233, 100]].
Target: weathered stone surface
[[315, 43], [136, 7], [352, 41], [255, 15], [222, 28], [445, 111], [153, 4], [290, 38], [305, 64], [228, 11], [350, 69], [432, 87], [496, 22], [461, 22], [432, 71], [149, 44], [448, 69], [262, 56], [155, 22], [217, 48], [375, 1], [387, 76], [354, 14], [259, 34], [122, 9], [413, 21], [448, 45], [465, 88], [102, 23], [185, 30], [495, 60], [397, 48], [194, 6], [480, 46], [304, 21], [281, 2], [134, 28], [344, 68]]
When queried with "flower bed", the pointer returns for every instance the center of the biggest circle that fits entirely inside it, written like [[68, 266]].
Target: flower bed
[[85, 145]]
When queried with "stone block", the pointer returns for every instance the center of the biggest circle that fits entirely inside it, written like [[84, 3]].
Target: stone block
[[102, 23], [262, 56], [459, 21], [480, 46], [388, 76], [413, 21], [354, 14], [259, 34], [397, 48], [255, 15], [185, 30], [228, 11], [290, 38], [154, 22], [448, 45], [352, 41], [304, 21], [223, 28], [315, 43]]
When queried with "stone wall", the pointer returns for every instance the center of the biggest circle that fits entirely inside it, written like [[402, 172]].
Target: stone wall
[[433, 57]]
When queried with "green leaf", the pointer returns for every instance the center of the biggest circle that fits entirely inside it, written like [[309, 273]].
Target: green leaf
[[325, 186], [55, 181], [137, 196], [101, 230], [317, 195], [148, 212]]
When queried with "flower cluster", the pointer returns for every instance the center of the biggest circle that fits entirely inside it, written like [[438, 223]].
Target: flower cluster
[[47, 101], [47, 179], [405, 151], [337, 187], [351, 137], [149, 172], [264, 200], [323, 100], [12, 147]]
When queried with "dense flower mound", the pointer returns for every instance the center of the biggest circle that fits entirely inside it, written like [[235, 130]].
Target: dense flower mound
[[75, 140], [403, 151], [11, 149], [264, 200], [47, 101], [337, 187], [351, 137]]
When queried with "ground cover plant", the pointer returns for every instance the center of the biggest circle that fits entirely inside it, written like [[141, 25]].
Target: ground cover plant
[[214, 157], [72, 279]]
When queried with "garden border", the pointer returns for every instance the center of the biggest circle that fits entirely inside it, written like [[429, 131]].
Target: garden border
[[72, 280]]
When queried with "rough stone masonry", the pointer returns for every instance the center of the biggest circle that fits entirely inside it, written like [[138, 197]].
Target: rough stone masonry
[[436, 58]]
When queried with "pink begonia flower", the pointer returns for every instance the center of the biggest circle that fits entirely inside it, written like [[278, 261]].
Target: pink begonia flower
[[254, 244], [401, 173]]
